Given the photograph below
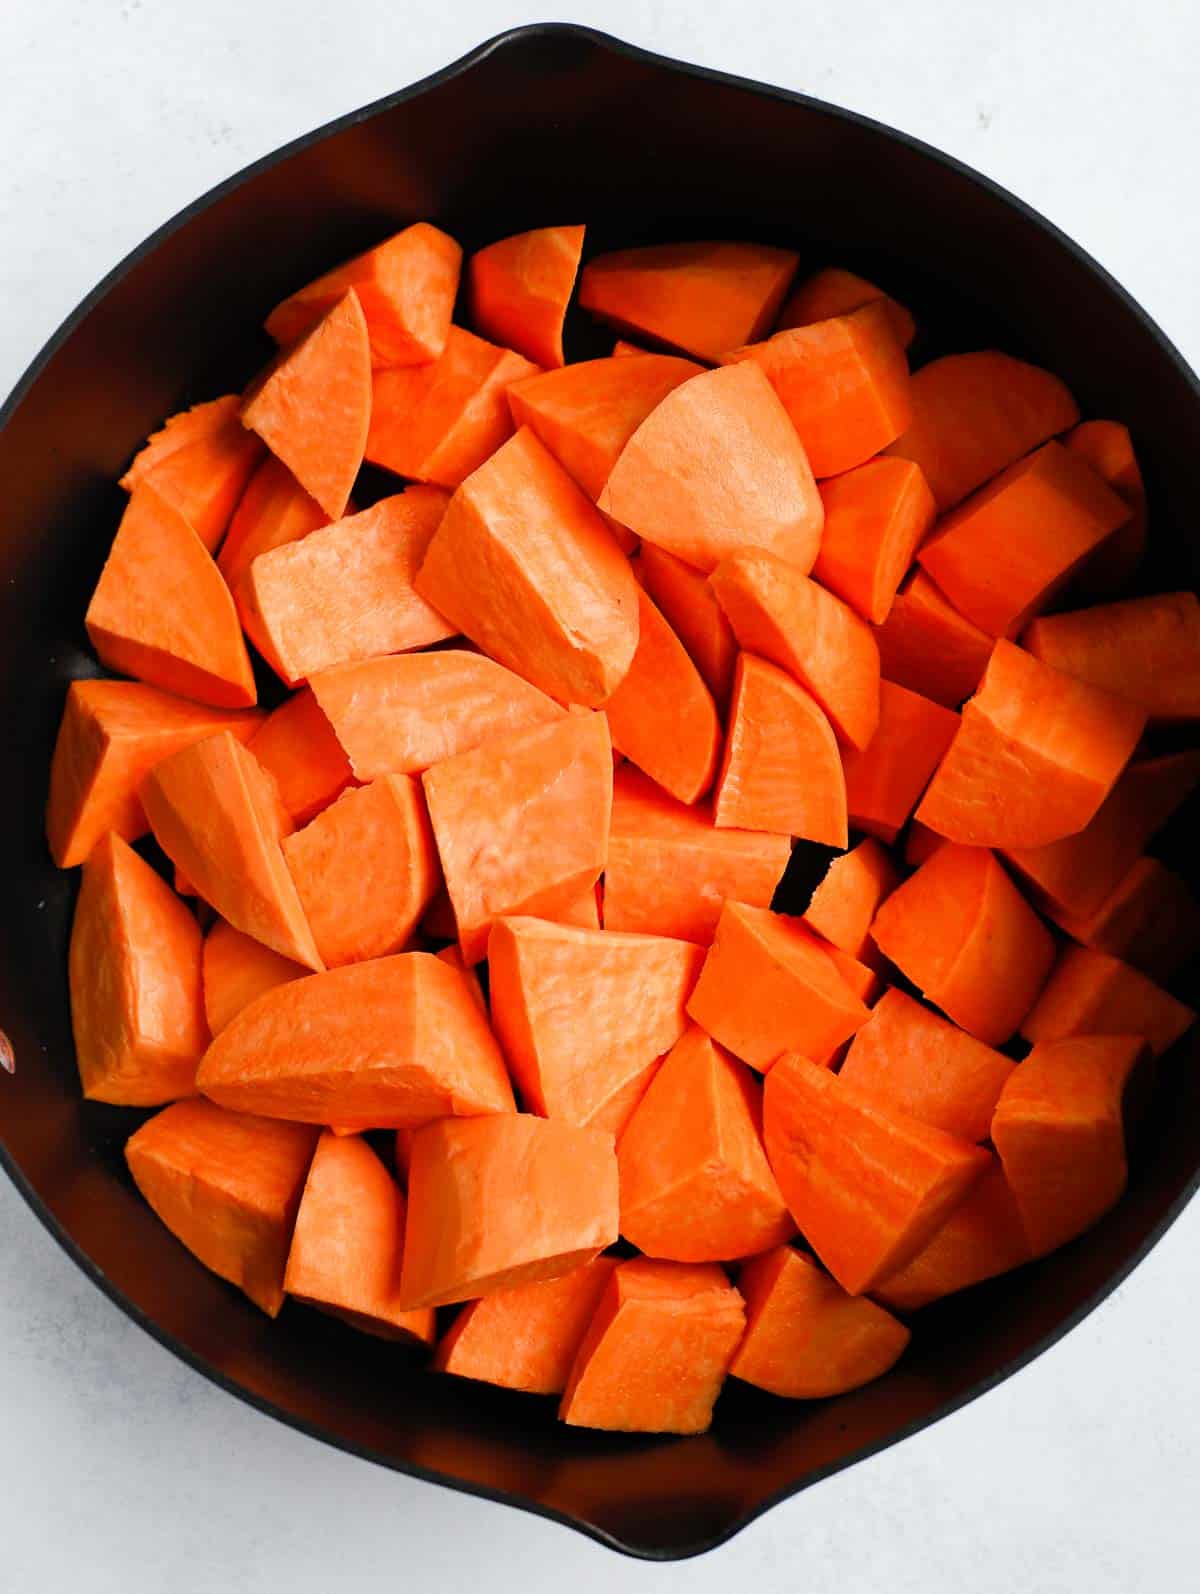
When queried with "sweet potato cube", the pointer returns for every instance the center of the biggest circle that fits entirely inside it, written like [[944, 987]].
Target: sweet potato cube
[[885, 780], [519, 287], [1090, 993], [237, 969], [199, 463], [274, 510], [876, 517], [297, 747], [690, 607], [1144, 649], [928, 647], [835, 291], [843, 906]]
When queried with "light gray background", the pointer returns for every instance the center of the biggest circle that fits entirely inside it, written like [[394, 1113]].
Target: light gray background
[[122, 1472]]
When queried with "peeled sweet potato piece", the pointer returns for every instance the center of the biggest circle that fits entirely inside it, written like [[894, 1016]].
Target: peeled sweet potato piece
[[348, 1243], [630, 992], [541, 837], [199, 463], [868, 1186], [296, 746], [695, 1185], [805, 1337], [137, 999], [227, 1185], [1090, 993], [657, 1351], [346, 592], [378, 1045], [835, 291], [273, 511], [876, 517], [1108, 449], [1144, 649], [703, 298], [237, 968], [406, 287], [217, 816], [690, 607], [885, 780], [928, 647], [843, 906], [518, 289], [162, 613], [504, 1200], [312, 406], [111, 735], [526, 1337]]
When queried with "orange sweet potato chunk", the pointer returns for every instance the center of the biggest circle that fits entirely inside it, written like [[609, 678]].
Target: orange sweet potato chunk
[[669, 868], [523, 564], [526, 1337], [540, 837], [137, 1000], [627, 1007], [228, 1186], [695, 1185], [111, 735], [365, 870], [406, 287], [1090, 993], [273, 511], [1108, 449], [843, 906], [885, 780], [868, 1186], [237, 969], [768, 986], [199, 463], [876, 517], [348, 1243], [835, 291], [162, 613], [296, 746], [964, 935], [690, 607], [504, 1200], [805, 1337], [1150, 919], [378, 1045], [657, 1351], [703, 298], [1143, 649], [217, 816], [928, 647], [348, 591], [518, 289], [715, 468], [312, 406]]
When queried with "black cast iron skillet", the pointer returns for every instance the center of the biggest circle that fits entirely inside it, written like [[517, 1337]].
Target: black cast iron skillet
[[544, 124]]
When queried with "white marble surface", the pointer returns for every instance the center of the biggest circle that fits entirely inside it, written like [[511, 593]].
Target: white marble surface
[[121, 1470]]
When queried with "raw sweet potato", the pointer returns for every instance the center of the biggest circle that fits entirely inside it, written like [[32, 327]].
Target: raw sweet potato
[[298, 749], [876, 517], [843, 906], [540, 837], [1090, 993], [1034, 756], [669, 868], [912, 1059], [715, 468], [523, 564], [836, 291], [1150, 919], [273, 511], [312, 406], [437, 423], [690, 607], [616, 1110], [1060, 1133], [586, 413], [1003, 555], [346, 592], [199, 463], [1108, 449], [768, 986], [627, 1008], [777, 613], [401, 714], [975, 414], [885, 780], [1074, 876], [1143, 649], [237, 968], [348, 1243], [137, 998], [406, 286], [526, 1337], [365, 870], [385, 1044], [781, 769], [217, 816], [695, 1185], [518, 290], [982, 1237], [227, 1185], [504, 1200], [162, 613], [963, 934], [702, 298], [843, 382], [111, 735], [805, 1337], [868, 1186], [657, 1351], [662, 716], [927, 646]]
